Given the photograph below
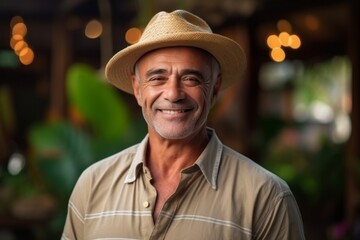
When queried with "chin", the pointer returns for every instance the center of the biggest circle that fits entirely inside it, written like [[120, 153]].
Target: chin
[[173, 134]]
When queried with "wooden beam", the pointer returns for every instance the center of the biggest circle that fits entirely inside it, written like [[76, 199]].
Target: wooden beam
[[352, 161]]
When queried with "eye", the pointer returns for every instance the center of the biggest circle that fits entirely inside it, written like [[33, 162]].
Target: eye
[[157, 80], [191, 80]]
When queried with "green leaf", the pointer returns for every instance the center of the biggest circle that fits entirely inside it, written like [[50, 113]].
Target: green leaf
[[61, 153], [97, 101]]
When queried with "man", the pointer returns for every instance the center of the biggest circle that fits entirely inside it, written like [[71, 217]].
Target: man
[[180, 182]]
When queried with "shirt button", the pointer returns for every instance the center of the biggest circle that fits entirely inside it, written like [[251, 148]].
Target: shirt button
[[146, 204]]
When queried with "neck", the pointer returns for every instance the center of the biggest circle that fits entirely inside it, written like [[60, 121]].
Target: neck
[[167, 158]]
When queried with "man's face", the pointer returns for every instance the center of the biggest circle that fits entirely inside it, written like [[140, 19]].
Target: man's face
[[176, 88]]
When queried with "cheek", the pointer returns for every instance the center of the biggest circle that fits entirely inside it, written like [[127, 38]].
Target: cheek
[[137, 91], [138, 97], [207, 96], [141, 93], [147, 97]]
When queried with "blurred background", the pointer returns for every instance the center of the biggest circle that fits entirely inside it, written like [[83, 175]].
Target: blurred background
[[295, 111]]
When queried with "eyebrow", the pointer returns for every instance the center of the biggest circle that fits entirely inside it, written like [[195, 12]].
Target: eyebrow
[[183, 72], [155, 71], [192, 71]]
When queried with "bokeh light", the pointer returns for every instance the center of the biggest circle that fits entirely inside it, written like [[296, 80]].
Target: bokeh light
[[14, 20], [19, 29], [26, 56], [133, 35], [312, 23], [295, 41], [278, 54], [18, 42], [16, 163], [284, 39], [273, 41], [93, 29], [20, 45], [284, 26]]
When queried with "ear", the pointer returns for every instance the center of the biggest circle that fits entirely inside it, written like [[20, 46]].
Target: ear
[[216, 89], [136, 89]]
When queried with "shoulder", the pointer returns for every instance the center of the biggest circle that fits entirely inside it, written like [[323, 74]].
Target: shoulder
[[103, 175], [113, 167], [95, 183], [250, 175], [118, 160]]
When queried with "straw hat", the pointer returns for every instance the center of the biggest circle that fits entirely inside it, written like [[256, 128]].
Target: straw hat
[[178, 28]]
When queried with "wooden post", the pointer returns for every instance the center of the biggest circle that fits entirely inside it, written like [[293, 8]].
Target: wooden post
[[352, 161], [60, 59]]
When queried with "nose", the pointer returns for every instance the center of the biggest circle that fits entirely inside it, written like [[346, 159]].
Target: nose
[[174, 91]]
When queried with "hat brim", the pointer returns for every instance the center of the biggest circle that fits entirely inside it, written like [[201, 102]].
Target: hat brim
[[227, 52]]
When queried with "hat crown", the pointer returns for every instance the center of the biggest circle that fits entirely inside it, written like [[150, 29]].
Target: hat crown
[[173, 23]]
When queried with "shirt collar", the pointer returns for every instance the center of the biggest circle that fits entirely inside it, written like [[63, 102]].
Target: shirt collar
[[208, 161], [138, 161]]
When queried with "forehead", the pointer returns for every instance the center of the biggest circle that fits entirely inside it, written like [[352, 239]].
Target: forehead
[[191, 53]]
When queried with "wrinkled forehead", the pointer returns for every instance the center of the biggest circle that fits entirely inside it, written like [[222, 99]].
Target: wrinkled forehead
[[194, 50]]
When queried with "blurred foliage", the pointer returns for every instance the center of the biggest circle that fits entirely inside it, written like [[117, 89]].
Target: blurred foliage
[[98, 103], [61, 152], [99, 124], [301, 149], [316, 174], [324, 82]]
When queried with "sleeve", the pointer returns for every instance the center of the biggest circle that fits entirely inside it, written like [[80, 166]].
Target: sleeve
[[281, 219], [75, 219]]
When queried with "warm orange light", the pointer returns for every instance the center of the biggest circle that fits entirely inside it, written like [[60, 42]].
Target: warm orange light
[[295, 41], [133, 35], [277, 54], [284, 26], [312, 23], [273, 41], [278, 43], [26, 56], [284, 39], [15, 39], [15, 20], [20, 29], [93, 29], [20, 45]]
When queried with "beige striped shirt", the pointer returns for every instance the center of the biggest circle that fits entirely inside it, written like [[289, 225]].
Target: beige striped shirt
[[224, 195]]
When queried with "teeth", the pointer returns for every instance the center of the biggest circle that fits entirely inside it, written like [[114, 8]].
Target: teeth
[[172, 111]]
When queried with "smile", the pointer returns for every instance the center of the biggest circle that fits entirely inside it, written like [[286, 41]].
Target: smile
[[167, 111]]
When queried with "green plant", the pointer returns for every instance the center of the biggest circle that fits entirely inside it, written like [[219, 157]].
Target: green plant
[[64, 148]]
